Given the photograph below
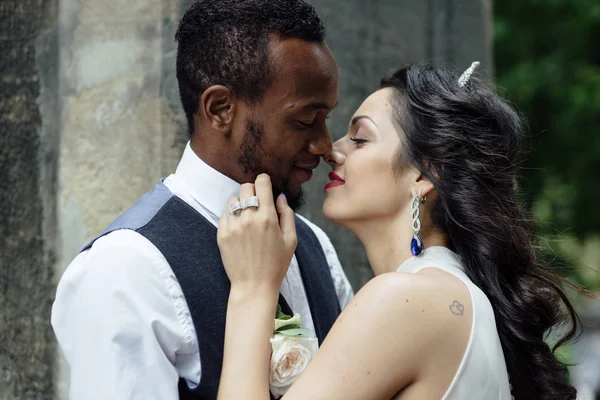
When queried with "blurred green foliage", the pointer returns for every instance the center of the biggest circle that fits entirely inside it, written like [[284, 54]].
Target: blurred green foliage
[[547, 59]]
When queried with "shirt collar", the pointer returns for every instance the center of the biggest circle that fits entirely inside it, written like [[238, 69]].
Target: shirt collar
[[205, 184]]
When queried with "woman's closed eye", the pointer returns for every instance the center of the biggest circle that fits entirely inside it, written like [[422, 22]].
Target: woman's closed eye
[[359, 141]]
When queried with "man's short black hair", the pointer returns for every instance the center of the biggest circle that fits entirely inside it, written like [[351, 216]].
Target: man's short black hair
[[226, 42]]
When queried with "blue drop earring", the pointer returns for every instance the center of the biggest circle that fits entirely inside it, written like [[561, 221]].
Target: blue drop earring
[[416, 244]]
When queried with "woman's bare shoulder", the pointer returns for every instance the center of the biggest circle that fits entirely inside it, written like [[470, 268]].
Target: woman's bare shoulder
[[434, 299], [385, 339]]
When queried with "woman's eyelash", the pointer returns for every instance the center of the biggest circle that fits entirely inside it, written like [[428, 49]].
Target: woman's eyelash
[[359, 141]]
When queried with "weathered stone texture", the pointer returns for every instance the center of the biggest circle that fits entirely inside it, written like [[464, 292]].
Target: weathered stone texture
[[27, 349], [119, 135]]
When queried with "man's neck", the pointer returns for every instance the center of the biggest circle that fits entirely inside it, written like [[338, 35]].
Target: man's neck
[[217, 157]]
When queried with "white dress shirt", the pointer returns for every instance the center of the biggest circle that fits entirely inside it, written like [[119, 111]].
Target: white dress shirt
[[120, 316]]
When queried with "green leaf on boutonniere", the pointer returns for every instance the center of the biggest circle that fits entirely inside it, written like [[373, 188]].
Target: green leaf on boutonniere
[[288, 327], [279, 314], [295, 321], [295, 332]]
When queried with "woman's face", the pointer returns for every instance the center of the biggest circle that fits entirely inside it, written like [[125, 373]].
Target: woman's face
[[364, 185]]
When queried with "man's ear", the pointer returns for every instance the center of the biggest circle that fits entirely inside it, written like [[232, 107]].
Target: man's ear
[[217, 106]]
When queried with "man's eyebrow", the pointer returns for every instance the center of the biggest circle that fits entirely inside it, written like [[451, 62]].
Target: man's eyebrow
[[359, 117]]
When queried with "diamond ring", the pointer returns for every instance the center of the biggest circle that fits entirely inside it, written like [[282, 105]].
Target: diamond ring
[[244, 203]]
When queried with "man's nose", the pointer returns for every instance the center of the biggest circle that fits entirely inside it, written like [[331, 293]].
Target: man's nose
[[320, 145]]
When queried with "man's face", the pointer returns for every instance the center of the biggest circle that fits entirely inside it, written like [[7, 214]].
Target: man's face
[[285, 134]]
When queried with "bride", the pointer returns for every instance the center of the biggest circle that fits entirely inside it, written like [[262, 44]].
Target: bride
[[426, 178]]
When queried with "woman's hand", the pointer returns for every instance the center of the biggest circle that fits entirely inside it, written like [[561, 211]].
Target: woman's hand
[[256, 248], [256, 245]]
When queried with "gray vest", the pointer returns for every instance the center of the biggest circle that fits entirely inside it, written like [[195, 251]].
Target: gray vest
[[188, 241]]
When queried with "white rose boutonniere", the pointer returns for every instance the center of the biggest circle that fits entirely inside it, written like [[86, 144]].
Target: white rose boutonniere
[[292, 350]]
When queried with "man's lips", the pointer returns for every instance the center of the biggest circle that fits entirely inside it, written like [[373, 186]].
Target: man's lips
[[335, 181], [310, 166], [305, 172]]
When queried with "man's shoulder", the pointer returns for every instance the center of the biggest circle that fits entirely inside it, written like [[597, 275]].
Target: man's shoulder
[[120, 262], [120, 245]]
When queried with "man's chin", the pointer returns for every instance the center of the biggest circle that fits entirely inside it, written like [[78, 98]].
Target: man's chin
[[293, 195], [295, 200]]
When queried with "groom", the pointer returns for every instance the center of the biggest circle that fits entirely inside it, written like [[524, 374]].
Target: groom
[[140, 312]]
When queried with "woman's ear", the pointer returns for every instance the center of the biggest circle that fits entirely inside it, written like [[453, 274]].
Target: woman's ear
[[217, 106], [423, 185]]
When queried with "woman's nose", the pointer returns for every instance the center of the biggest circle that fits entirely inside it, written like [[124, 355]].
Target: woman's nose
[[336, 157]]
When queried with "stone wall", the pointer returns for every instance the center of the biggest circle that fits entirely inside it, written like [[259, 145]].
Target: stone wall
[[119, 134], [116, 140], [90, 119]]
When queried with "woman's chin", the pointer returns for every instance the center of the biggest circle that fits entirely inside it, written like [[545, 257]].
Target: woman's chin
[[333, 213]]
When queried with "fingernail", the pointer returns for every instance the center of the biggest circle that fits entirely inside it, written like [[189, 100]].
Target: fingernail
[[282, 195]]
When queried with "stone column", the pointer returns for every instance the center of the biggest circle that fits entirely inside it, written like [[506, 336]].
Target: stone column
[[28, 150]]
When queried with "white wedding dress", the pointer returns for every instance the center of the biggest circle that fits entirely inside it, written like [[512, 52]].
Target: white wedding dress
[[482, 372]]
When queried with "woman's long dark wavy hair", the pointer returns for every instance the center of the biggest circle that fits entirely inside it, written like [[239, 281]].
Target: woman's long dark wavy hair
[[467, 141]]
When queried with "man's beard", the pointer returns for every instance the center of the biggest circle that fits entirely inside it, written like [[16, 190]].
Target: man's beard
[[251, 159]]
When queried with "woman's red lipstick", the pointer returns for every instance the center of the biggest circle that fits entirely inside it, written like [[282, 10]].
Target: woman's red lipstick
[[335, 181]]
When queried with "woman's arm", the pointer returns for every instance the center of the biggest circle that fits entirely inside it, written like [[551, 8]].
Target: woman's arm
[[395, 335], [250, 314], [372, 351], [256, 246]]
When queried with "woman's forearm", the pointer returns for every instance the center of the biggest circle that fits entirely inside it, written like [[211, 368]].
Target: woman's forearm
[[250, 314]]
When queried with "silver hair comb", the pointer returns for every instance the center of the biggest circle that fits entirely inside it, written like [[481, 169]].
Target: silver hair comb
[[464, 78]]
